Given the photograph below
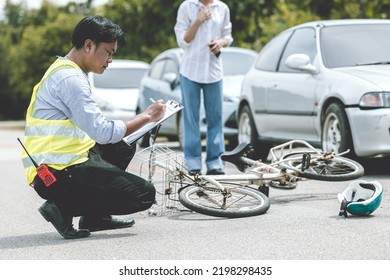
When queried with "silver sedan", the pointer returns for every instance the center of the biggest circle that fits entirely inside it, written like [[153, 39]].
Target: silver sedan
[[326, 82]]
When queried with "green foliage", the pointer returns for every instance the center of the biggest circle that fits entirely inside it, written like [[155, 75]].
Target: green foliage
[[38, 47], [148, 26], [361, 9], [28, 46], [31, 39], [246, 17], [285, 16]]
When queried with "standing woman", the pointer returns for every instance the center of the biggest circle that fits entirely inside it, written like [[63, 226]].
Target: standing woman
[[202, 28]]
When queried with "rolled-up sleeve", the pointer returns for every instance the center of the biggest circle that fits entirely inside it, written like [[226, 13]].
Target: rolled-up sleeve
[[227, 28], [181, 26]]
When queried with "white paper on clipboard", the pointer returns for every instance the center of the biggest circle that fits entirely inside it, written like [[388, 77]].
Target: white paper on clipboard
[[172, 107]]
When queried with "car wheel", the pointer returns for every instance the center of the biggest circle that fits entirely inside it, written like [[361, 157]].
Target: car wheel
[[247, 133], [232, 142], [336, 134]]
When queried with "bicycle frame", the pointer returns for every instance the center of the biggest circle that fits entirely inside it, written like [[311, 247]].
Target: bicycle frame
[[259, 173], [222, 191], [258, 176]]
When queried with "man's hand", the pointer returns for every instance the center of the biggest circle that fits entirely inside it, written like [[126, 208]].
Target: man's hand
[[156, 110], [153, 113]]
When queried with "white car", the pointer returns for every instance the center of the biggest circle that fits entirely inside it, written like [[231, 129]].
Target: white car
[[117, 90], [325, 82]]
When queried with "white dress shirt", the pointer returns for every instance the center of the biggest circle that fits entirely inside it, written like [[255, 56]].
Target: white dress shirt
[[199, 64]]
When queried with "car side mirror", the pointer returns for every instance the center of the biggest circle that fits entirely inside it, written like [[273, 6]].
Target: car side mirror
[[301, 62], [172, 79]]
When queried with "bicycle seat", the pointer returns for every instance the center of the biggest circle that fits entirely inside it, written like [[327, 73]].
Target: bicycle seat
[[243, 149]]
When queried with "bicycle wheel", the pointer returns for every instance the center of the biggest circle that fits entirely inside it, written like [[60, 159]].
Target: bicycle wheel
[[238, 202], [335, 169]]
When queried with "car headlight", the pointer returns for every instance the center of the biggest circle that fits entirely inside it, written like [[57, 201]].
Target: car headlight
[[229, 98], [374, 100]]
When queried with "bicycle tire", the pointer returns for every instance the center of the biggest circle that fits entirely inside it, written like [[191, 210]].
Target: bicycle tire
[[243, 202], [335, 169]]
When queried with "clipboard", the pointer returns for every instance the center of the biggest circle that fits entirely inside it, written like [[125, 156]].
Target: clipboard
[[172, 107]]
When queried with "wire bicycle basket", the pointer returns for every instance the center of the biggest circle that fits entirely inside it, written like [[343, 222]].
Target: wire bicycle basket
[[159, 165]]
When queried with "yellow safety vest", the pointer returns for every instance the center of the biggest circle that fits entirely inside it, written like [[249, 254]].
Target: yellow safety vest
[[57, 143]]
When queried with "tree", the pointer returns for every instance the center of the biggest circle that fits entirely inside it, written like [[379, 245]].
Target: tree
[[284, 16], [247, 17], [148, 26], [361, 9], [39, 47], [28, 46]]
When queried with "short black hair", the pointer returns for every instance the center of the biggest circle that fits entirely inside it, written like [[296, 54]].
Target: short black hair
[[96, 28]]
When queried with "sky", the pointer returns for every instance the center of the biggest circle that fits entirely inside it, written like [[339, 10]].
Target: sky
[[34, 4]]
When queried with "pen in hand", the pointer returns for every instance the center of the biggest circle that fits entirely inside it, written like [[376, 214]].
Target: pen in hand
[[152, 100]]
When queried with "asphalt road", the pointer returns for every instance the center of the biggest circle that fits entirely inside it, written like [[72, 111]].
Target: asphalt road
[[301, 224]]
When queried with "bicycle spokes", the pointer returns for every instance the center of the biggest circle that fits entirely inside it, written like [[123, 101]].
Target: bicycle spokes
[[330, 168]]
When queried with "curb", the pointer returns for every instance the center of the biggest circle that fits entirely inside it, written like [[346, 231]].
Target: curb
[[13, 124]]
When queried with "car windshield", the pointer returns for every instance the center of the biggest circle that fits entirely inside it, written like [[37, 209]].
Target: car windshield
[[237, 63], [352, 45], [119, 78]]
